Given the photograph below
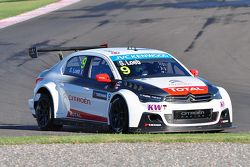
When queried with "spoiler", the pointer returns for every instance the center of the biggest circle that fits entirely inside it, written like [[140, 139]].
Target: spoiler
[[33, 52]]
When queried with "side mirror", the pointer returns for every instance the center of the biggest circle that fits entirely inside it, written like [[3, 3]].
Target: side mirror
[[194, 72], [103, 78]]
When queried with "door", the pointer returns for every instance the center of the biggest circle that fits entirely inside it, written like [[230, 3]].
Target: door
[[100, 95], [89, 99], [79, 96]]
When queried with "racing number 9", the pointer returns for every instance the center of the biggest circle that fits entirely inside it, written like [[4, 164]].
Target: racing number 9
[[84, 62], [125, 70]]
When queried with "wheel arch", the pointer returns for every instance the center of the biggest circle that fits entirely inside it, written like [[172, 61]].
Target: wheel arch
[[134, 106], [44, 90], [49, 89]]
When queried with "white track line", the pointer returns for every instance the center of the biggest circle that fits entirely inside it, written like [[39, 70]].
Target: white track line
[[37, 12]]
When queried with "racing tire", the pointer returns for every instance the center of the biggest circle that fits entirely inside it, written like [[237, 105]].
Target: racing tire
[[118, 116], [45, 114]]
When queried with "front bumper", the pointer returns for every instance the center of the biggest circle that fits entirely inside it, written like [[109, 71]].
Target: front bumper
[[151, 122]]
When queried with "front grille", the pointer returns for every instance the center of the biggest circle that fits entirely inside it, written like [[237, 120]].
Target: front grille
[[190, 98], [191, 116]]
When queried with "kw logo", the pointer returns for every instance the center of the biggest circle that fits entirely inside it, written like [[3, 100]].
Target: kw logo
[[156, 107]]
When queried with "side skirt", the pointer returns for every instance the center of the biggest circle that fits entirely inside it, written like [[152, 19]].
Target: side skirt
[[78, 122]]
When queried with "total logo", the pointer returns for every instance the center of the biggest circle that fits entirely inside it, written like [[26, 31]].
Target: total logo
[[186, 90], [156, 107]]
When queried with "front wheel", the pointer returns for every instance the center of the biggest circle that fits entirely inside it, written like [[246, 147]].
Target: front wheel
[[118, 116]]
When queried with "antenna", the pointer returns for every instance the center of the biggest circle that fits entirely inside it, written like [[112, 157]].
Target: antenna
[[128, 44], [130, 47]]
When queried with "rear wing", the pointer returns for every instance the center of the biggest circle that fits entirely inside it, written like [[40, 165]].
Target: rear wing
[[33, 52]]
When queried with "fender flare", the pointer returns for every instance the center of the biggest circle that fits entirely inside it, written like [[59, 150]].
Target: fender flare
[[52, 89], [134, 111]]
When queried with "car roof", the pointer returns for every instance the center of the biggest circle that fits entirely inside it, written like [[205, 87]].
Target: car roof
[[123, 51]]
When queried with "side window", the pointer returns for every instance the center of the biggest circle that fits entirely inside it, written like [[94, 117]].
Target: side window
[[99, 66], [75, 66]]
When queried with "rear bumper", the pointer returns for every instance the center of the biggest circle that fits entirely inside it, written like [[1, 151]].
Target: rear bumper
[[31, 106], [157, 125]]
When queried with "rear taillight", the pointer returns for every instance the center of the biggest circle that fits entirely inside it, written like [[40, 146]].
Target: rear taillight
[[38, 80]]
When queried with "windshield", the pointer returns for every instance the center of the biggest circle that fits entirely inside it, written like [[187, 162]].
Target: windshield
[[148, 65]]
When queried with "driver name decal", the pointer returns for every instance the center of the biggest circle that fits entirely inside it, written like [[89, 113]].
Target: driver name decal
[[129, 63]]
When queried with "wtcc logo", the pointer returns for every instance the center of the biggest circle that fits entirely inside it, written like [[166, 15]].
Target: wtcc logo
[[156, 107]]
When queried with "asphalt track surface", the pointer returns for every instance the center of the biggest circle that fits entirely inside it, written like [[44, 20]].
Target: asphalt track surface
[[212, 36]]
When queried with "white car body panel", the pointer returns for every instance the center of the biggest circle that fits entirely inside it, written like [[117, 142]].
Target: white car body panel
[[66, 96]]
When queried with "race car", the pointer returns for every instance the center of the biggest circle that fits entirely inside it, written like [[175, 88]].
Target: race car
[[128, 90]]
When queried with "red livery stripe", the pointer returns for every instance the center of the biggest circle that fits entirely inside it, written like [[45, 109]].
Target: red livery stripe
[[186, 90], [83, 115]]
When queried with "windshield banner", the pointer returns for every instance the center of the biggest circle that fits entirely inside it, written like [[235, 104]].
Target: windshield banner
[[140, 56]]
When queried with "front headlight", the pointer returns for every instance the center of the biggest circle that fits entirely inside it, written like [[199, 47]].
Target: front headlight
[[150, 98], [217, 95]]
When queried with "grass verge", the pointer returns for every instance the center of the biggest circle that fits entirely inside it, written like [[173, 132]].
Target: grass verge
[[10, 8], [129, 138]]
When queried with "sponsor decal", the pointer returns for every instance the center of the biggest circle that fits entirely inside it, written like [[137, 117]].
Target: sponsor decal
[[156, 107], [112, 52], [186, 90], [73, 114], [177, 82], [190, 113], [224, 121], [100, 95], [83, 115], [109, 96], [140, 56], [222, 104], [82, 100], [150, 125]]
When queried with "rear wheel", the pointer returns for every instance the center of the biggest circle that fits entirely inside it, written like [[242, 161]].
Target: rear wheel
[[118, 116], [45, 114]]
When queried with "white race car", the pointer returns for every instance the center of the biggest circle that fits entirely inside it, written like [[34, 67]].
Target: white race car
[[129, 90]]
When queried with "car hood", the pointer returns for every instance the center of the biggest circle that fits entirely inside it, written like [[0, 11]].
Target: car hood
[[178, 85]]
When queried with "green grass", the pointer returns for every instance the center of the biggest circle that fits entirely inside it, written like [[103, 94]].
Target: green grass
[[129, 138], [10, 8]]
